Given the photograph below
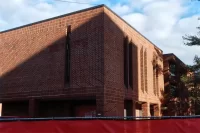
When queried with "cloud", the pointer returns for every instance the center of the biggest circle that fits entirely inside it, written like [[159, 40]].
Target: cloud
[[20, 12], [137, 20], [164, 22], [140, 3], [162, 17], [2, 22], [121, 9]]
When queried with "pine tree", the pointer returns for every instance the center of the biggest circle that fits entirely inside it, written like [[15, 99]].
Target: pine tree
[[193, 82]]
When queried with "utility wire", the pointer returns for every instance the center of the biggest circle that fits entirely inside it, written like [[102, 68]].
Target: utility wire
[[74, 2]]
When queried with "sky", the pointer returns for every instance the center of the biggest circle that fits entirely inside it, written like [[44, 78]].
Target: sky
[[163, 22]]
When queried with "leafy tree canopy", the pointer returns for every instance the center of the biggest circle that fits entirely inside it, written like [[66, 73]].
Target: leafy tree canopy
[[194, 41]]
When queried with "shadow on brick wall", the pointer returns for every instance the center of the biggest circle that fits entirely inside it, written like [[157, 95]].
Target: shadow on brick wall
[[41, 72]]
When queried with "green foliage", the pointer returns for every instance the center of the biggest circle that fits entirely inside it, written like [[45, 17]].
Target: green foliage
[[185, 79], [191, 40], [194, 90], [194, 96], [196, 66], [194, 93]]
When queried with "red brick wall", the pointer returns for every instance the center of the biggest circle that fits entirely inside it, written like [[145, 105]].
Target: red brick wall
[[145, 109], [114, 90], [32, 57], [33, 61], [113, 68], [115, 31], [156, 110]]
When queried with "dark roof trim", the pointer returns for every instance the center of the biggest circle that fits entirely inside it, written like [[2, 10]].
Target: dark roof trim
[[79, 12], [131, 27], [171, 54], [68, 14]]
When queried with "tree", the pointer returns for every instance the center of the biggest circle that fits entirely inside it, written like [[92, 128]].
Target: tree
[[194, 41], [193, 81]]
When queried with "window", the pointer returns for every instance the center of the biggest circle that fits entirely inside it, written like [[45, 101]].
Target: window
[[154, 74], [126, 66], [129, 47], [157, 84], [172, 69], [142, 69], [145, 71], [67, 56], [131, 65], [156, 69]]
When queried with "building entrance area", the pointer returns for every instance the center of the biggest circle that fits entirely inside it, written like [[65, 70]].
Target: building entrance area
[[128, 108], [50, 108]]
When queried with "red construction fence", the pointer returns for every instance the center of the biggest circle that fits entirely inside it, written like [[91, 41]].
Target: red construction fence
[[103, 126]]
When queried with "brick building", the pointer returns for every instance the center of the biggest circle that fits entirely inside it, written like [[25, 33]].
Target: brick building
[[89, 62], [174, 68]]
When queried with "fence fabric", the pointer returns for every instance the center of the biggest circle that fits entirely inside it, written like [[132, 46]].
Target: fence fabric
[[102, 126]]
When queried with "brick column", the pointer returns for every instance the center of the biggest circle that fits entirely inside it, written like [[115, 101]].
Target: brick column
[[156, 110], [33, 109], [113, 102], [145, 109], [134, 108], [100, 102], [99, 107]]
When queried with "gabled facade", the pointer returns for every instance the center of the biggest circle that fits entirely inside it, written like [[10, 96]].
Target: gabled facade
[[86, 63]]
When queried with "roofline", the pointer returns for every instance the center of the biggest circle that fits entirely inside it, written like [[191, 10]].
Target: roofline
[[132, 27], [169, 54], [79, 11], [176, 57], [94, 7]]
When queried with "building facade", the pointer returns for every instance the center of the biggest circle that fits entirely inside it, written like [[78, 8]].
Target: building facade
[[177, 103], [86, 63]]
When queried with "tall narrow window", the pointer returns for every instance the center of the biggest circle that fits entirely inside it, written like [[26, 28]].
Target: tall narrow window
[[145, 71], [126, 66], [154, 81], [157, 76], [157, 85], [131, 65], [154, 75], [67, 56], [142, 69]]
